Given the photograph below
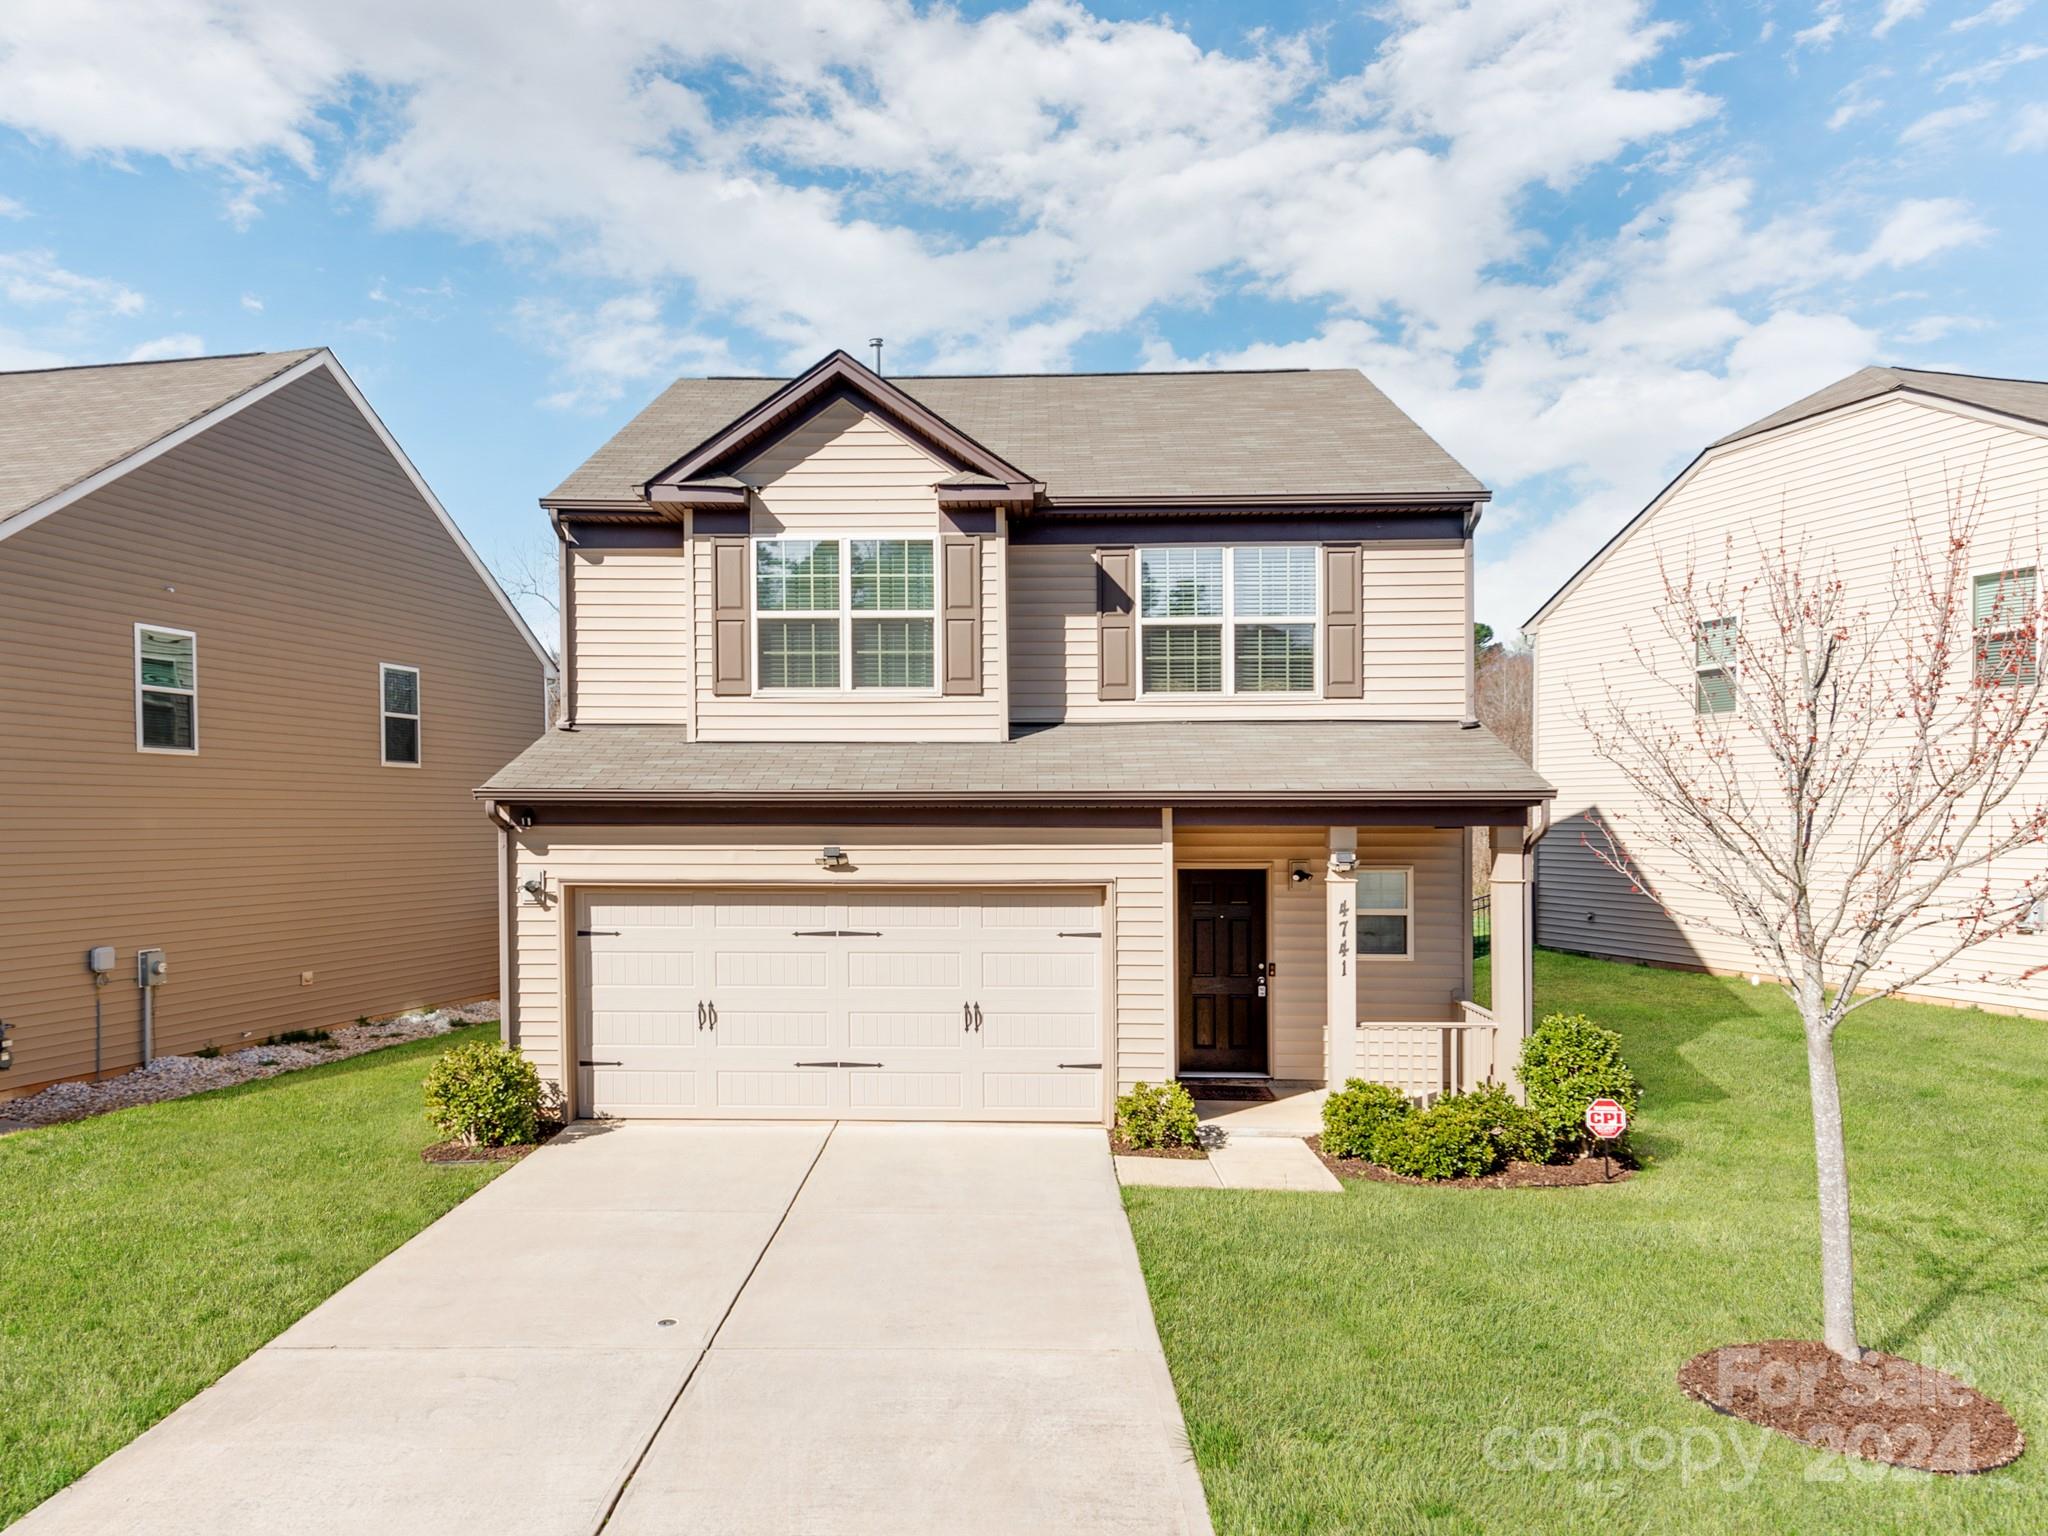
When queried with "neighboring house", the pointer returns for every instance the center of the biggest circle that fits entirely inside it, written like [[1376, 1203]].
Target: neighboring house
[[971, 747], [1849, 469], [253, 672]]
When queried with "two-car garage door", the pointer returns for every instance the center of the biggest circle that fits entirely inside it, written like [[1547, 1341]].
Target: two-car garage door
[[888, 1005]]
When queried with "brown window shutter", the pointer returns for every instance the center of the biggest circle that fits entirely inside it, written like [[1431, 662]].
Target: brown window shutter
[[960, 614], [1343, 621], [730, 591], [1116, 623]]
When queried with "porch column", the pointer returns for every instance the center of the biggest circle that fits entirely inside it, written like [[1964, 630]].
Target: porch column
[[1513, 933], [1340, 942]]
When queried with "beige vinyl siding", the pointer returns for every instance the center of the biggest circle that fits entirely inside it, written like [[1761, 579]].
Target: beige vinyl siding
[[1126, 861], [1428, 985], [1416, 643], [300, 554], [1847, 482], [846, 473], [632, 627]]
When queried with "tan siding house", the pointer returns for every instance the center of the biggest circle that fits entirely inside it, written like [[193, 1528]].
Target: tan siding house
[[1849, 468], [1009, 741], [253, 674]]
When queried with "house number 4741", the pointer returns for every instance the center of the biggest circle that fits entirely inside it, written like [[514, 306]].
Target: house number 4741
[[1343, 938]]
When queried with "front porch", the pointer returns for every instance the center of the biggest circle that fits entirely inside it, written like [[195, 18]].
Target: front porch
[[1304, 956]]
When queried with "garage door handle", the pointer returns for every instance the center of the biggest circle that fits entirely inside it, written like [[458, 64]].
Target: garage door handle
[[597, 933], [700, 1015], [600, 1063], [1080, 1066], [1080, 933], [967, 1016], [714, 1016], [977, 1018]]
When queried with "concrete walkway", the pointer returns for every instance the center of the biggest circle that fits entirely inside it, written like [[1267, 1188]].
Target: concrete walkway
[[730, 1328], [1236, 1162]]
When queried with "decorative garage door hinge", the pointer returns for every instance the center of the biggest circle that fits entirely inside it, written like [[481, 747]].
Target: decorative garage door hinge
[[1080, 933], [600, 1063], [1080, 1066], [596, 933]]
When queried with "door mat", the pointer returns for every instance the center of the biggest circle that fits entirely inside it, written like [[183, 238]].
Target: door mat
[[1256, 1093]]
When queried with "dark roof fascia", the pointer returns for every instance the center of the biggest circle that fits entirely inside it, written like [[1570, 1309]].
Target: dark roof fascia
[[1319, 800], [1335, 501], [839, 371]]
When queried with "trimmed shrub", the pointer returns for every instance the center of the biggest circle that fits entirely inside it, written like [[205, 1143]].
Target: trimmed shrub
[[484, 1095], [1568, 1063], [1516, 1129], [1354, 1115], [1156, 1115], [1449, 1140]]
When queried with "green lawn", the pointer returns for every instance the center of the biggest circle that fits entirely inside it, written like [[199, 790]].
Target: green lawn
[[1342, 1360], [145, 1252]]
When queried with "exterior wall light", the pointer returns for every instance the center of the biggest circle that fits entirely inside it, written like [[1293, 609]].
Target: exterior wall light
[[833, 858], [1343, 863]]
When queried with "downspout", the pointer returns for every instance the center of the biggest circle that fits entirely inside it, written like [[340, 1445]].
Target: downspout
[[508, 1033], [567, 543]]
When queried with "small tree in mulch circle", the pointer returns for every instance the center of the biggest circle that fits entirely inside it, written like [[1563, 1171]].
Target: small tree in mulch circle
[[1835, 775]]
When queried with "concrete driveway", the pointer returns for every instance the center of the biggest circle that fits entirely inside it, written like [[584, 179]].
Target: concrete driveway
[[718, 1328]]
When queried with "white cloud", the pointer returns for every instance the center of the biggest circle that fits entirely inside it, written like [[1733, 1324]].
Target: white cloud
[[1895, 12], [1932, 328], [12, 207], [252, 304], [1695, 67], [34, 278], [177, 344], [1943, 122], [1855, 100], [1918, 230], [2030, 128], [1827, 26], [1997, 14], [623, 341], [1990, 69]]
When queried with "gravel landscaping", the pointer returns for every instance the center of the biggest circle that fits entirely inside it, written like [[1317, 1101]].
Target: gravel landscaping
[[174, 1077]]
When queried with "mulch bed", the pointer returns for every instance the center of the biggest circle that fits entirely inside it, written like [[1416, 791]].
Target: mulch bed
[[1884, 1409], [1123, 1148], [458, 1152], [1586, 1170]]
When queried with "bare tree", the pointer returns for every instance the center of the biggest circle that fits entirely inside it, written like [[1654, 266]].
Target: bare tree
[[1840, 780], [1504, 698], [530, 575]]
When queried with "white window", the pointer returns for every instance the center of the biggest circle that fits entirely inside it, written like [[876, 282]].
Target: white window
[[398, 691], [2003, 613], [1235, 620], [872, 631], [1713, 690], [1386, 917], [166, 689]]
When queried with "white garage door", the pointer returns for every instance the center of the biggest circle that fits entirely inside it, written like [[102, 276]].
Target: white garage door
[[982, 1005]]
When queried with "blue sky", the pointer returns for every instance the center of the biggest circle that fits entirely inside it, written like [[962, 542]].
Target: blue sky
[[1577, 239]]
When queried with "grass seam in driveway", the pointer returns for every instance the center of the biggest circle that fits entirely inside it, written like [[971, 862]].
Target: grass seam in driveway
[[148, 1251]]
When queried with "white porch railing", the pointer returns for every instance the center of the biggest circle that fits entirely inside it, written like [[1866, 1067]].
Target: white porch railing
[[1427, 1059]]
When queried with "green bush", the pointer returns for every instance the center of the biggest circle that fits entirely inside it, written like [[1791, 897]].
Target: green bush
[[1516, 1129], [1155, 1115], [1452, 1139], [1353, 1116], [1568, 1063], [484, 1095]]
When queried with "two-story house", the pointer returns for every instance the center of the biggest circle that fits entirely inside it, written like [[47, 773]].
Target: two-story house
[[973, 747]]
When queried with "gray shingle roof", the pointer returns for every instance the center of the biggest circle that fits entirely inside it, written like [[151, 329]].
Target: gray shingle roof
[[2024, 398], [1144, 763], [59, 426], [1105, 437]]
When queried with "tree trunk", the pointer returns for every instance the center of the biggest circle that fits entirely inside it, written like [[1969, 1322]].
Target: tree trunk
[[1831, 1162]]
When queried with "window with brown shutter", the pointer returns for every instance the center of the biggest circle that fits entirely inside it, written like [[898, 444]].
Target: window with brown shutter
[[1116, 623], [1343, 621], [960, 613]]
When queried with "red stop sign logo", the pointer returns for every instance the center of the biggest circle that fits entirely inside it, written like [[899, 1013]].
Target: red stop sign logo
[[1606, 1119]]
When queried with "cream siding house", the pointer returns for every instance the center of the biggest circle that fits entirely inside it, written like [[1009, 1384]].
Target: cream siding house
[[971, 748], [1849, 468], [253, 672]]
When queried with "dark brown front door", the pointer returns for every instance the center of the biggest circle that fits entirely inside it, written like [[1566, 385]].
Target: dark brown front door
[[1223, 970]]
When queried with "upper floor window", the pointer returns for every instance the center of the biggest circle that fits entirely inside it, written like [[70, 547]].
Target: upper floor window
[[399, 703], [1235, 620], [2003, 614], [1714, 668], [166, 689], [881, 616]]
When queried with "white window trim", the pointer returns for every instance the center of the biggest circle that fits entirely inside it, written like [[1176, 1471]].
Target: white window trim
[[1226, 624], [192, 693], [1360, 911], [1733, 667], [2005, 568], [418, 717], [846, 614]]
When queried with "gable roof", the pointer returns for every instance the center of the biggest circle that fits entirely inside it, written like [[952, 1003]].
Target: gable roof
[[1291, 434], [2022, 399], [66, 432], [59, 426]]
